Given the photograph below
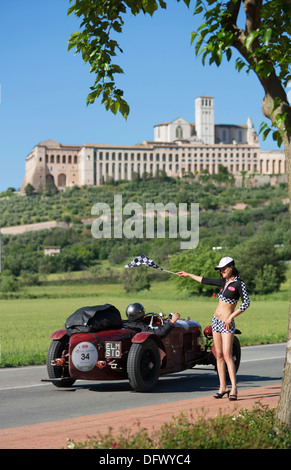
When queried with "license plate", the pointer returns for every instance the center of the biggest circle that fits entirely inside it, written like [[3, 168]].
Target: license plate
[[113, 349]]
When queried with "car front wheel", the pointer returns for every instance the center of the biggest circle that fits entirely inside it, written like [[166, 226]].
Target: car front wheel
[[143, 365]]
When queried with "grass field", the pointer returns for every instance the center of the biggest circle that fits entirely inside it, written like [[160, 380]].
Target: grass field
[[26, 324]]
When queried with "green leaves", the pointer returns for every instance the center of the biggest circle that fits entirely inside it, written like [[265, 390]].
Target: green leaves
[[266, 36], [112, 98], [264, 130], [250, 39], [277, 134], [213, 33], [263, 45], [149, 6], [100, 20], [280, 123]]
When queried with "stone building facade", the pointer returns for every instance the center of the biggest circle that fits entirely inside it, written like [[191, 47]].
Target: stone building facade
[[52, 162], [178, 148]]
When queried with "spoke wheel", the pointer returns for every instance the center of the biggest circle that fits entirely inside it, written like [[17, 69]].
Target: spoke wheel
[[143, 366]]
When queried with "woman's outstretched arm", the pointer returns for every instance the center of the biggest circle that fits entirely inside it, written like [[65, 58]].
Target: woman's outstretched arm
[[192, 276]]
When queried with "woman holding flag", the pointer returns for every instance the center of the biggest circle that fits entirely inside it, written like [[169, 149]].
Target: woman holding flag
[[223, 327]]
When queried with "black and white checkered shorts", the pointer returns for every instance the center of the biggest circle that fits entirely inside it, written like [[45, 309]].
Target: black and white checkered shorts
[[218, 326]]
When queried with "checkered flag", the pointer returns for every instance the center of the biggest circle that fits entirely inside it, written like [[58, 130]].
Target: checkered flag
[[143, 260]]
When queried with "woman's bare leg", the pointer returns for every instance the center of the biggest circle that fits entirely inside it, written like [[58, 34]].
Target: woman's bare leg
[[227, 342], [220, 362]]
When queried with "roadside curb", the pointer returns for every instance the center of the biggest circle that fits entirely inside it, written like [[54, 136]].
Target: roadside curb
[[55, 434]]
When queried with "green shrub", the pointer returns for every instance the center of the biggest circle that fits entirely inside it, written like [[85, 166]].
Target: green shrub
[[248, 429], [136, 280]]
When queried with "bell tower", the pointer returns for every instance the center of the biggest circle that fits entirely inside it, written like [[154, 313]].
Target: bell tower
[[204, 119]]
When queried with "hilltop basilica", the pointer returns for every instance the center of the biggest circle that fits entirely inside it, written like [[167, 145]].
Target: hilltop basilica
[[179, 148]]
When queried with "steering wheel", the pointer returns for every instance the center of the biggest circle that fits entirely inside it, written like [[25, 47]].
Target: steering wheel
[[155, 319]]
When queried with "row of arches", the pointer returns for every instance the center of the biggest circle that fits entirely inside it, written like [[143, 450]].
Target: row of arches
[[61, 180], [273, 166]]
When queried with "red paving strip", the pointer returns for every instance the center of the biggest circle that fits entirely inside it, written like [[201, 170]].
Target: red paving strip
[[55, 434]]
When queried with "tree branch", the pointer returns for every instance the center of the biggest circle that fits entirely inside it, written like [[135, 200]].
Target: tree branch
[[233, 8], [253, 15]]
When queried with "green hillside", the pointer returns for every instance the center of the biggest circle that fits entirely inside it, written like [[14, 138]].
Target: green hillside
[[228, 217], [264, 203]]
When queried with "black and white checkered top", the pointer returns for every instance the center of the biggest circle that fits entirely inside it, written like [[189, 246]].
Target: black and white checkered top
[[232, 292]]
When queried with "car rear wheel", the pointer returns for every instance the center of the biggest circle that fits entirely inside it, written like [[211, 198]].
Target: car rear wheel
[[143, 366], [61, 374], [236, 352]]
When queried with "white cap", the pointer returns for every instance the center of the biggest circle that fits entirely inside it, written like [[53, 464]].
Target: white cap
[[225, 262]]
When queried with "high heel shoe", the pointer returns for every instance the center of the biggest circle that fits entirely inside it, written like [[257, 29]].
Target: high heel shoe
[[232, 397], [220, 395]]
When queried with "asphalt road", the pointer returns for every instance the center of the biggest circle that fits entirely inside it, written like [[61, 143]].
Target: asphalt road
[[25, 399]]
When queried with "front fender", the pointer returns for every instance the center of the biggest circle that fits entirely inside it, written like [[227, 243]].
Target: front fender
[[59, 334], [143, 336]]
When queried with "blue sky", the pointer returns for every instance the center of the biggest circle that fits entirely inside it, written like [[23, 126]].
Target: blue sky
[[44, 86]]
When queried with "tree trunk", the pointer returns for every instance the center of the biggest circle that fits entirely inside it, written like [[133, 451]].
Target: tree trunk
[[274, 89], [284, 406], [275, 103]]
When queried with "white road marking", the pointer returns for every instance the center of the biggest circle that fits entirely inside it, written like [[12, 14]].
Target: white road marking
[[263, 359], [25, 386]]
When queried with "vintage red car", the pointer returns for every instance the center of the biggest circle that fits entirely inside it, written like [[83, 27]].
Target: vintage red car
[[122, 353]]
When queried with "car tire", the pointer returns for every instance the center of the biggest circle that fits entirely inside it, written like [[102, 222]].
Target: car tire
[[236, 352], [55, 350], [143, 366]]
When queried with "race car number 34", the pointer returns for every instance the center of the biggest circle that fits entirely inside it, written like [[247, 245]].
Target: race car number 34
[[84, 356]]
